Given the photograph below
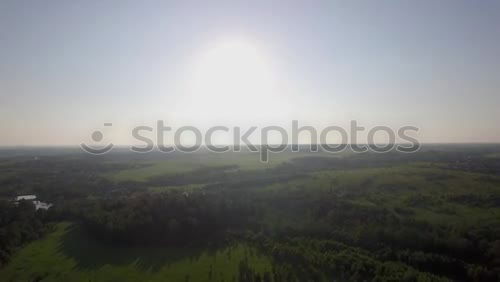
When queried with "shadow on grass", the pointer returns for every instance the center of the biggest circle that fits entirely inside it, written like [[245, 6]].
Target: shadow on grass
[[91, 253]]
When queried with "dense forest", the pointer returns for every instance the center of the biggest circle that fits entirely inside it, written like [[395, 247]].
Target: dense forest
[[431, 216], [19, 224]]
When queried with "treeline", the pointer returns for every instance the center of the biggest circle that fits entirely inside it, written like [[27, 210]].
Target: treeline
[[310, 259], [445, 250], [317, 259], [19, 224], [164, 218]]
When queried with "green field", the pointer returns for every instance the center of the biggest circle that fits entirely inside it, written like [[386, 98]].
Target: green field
[[67, 254], [189, 162]]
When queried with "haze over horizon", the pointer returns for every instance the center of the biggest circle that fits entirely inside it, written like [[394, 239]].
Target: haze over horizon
[[67, 67]]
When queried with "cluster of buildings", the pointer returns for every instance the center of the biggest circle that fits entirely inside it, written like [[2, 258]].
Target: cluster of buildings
[[32, 198]]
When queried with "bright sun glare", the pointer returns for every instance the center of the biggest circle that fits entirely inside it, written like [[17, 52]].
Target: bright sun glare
[[232, 79]]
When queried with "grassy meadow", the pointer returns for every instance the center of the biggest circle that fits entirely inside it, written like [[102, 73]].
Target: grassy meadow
[[68, 254], [142, 170]]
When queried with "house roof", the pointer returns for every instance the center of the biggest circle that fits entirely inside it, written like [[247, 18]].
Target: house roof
[[25, 197]]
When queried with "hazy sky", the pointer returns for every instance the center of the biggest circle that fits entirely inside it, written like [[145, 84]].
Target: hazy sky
[[66, 67]]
